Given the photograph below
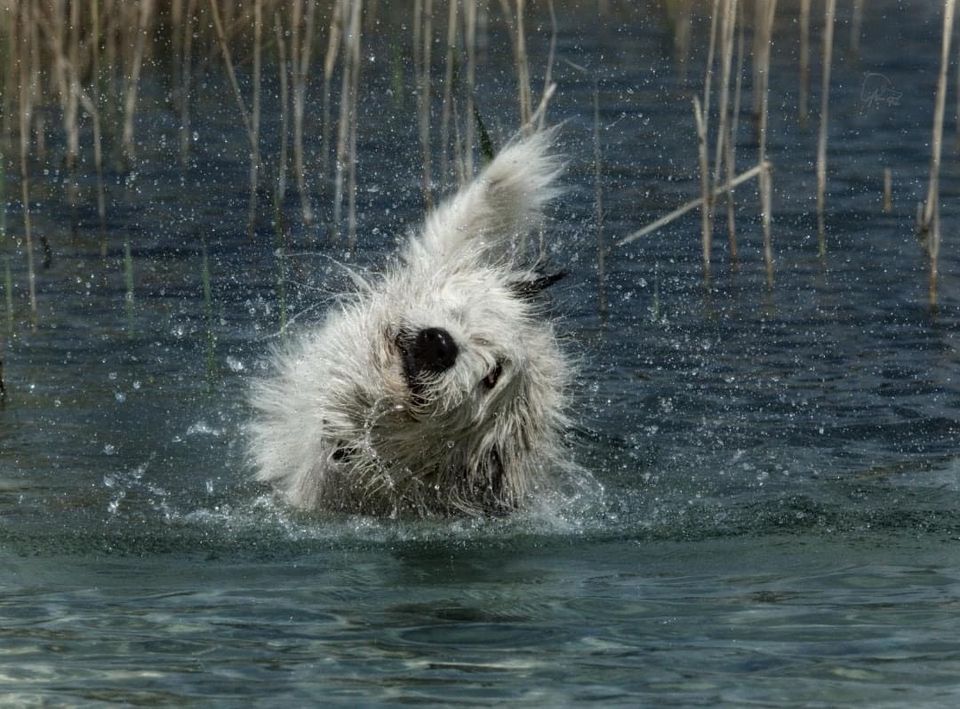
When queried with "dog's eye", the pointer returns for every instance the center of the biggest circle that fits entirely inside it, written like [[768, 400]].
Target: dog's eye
[[490, 381]]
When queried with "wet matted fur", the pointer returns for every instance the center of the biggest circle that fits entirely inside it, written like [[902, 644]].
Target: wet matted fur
[[439, 387]]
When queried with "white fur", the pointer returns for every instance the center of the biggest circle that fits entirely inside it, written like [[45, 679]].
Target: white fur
[[337, 426]]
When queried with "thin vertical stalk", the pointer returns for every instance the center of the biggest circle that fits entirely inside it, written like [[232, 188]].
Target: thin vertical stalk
[[302, 48], [283, 72], [25, 114], [337, 13], [447, 106], [828, 22], [185, 69], [250, 123], [211, 353], [8, 293], [887, 190], [255, 116], [347, 129], [128, 277], [598, 188], [61, 40], [766, 188], [705, 196], [523, 65], [702, 118], [354, 97], [132, 79], [519, 44], [92, 106], [731, 158], [74, 96], [727, 26], [36, 82], [803, 101], [931, 212], [94, 112], [551, 56], [423, 100], [470, 40]]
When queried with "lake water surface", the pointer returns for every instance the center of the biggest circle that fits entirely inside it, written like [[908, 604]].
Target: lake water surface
[[780, 515]]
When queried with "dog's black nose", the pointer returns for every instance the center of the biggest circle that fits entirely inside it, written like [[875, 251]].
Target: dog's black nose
[[433, 350]]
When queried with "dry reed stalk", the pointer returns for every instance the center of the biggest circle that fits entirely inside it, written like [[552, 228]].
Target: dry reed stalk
[[828, 22], [8, 294], [759, 49], [7, 20], [54, 27], [255, 116], [705, 196], [731, 157], [691, 205], [523, 65], [73, 144], [132, 77], [302, 49], [711, 55], [887, 190], [95, 112], [804, 61], [250, 123], [423, 99], [470, 40], [352, 149], [766, 202], [347, 128], [113, 17], [25, 110], [447, 106], [931, 212], [598, 189], [36, 85], [551, 56], [728, 20], [283, 72], [185, 71], [519, 46], [329, 64], [766, 189], [701, 114], [176, 22]]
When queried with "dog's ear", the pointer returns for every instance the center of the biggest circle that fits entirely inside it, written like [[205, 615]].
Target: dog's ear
[[503, 202], [529, 288]]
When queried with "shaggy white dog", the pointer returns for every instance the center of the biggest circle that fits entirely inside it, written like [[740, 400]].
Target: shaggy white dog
[[438, 389]]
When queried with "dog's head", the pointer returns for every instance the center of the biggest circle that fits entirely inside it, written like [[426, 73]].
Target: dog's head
[[441, 387]]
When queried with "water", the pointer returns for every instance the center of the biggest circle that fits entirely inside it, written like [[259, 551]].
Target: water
[[781, 472]]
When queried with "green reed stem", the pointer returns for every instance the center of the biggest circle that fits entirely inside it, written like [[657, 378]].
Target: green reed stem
[[211, 354], [281, 280], [128, 277], [8, 292]]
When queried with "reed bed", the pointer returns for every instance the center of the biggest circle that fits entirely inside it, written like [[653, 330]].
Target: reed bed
[[930, 225], [79, 68], [721, 179]]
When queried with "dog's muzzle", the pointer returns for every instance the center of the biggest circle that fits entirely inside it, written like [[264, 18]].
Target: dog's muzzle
[[428, 352]]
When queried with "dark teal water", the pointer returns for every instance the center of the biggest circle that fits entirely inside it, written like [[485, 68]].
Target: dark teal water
[[779, 518]]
